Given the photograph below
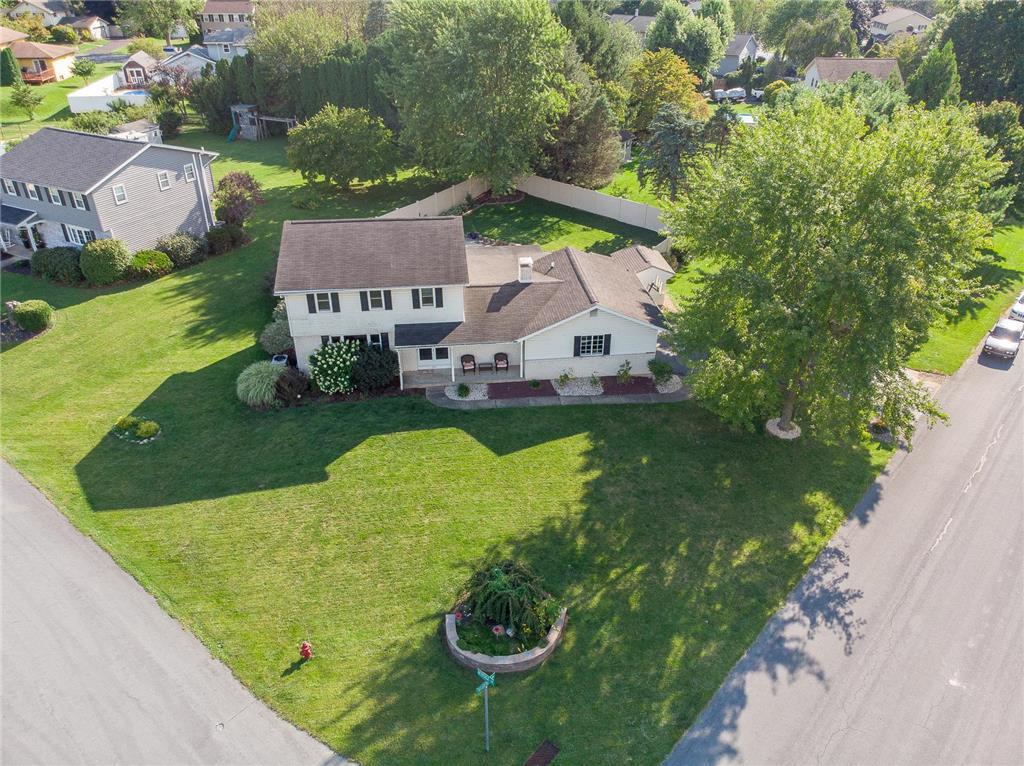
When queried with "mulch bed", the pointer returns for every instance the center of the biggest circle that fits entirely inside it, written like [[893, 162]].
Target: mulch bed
[[487, 198], [519, 389], [12, 335], [636, 385], [18, 267]]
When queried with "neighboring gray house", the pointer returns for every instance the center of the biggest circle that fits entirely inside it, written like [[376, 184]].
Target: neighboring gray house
[[741, 47], [63, 187], [193, 60], [634, 21], [227, 43]]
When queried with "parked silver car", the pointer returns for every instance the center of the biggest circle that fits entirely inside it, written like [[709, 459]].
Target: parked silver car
[[1017, 309], [1004, 340]]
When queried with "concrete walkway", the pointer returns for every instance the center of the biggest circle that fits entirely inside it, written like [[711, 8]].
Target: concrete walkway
[[95, 672], [437, 396]]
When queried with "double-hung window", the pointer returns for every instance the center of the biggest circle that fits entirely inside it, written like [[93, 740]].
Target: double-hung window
[[190, 172], [120, 195], [323, 301], [77, 235], [9, 187], [33, 193], [226, 47], [591, 345], [78, 201], [164, 179], [427, 297], [54, 196], [376, 299]]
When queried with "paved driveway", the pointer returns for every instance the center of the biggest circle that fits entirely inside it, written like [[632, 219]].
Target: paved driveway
[[112, 50], [904, 644], [94, 671]]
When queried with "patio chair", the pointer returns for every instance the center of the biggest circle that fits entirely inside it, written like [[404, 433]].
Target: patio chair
[[501, 362], [468, 363]]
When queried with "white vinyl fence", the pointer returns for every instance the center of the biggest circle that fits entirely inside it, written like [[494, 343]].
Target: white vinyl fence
[[440, 201]]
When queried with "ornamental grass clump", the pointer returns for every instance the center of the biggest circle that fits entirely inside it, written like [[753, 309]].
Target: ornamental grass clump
[[257, 384], [330, 368]]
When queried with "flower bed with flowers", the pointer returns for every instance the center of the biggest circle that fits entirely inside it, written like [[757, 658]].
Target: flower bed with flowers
[[504, 610], [135, 430]]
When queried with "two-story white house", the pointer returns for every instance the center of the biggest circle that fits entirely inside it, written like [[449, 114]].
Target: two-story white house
[[226, 14], [450, 310], [64, 187]]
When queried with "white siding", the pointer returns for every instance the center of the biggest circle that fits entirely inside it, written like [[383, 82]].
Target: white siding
[[352, 320]]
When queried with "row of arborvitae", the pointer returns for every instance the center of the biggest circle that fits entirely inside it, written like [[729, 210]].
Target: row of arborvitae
[[105, 261], [337, 368]]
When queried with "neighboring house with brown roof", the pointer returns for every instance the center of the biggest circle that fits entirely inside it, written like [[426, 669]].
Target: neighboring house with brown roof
[[8, 36], [226, 14], [42, 62], [138, 69], [97, 28], [413, 285], [896, 21], [836, 69]]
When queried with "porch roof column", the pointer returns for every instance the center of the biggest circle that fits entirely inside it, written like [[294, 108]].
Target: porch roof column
[[401, 377], [31, 237], [451, 358]]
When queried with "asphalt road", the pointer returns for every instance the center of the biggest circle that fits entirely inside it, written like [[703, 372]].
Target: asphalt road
[[94, 671], [904, 644]]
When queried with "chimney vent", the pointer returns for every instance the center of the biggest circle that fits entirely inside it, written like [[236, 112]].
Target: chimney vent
[[525, 269]]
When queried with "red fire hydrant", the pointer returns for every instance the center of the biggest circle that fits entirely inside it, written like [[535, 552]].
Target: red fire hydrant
[[306, 650]]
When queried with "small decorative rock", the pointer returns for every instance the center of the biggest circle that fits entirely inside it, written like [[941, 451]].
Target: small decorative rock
[[670, 386], [578, 387], [774, 428], [477, 392]]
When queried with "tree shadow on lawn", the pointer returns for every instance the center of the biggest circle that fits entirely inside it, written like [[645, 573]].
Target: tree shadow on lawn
[[994, 275], [664, 598]]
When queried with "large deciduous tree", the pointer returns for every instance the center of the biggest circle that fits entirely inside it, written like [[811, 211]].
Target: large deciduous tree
[[1000, 122], [784, 14], [609, 48], [478, 85], [159, 17], [986, 39], [837, 248], [936, 80], [828, 34], [861, 13], [720, 12], [342, 145], [661, 77], [696, 40]]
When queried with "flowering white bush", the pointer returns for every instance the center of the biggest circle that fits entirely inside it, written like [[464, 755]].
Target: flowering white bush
[[331, 367]]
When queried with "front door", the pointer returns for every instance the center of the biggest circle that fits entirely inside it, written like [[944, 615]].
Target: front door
[[434, 358]]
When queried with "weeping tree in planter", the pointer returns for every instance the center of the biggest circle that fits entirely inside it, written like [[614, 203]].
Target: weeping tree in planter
[[509, 600]]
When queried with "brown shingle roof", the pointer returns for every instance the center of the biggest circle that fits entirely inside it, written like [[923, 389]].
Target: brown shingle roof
[[839, 68], [10, 35], [26, 49], [228, 6], [370, 253], [640, 257]]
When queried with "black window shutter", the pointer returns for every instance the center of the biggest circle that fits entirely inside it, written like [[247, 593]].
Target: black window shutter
[[61, 195], [387, 300], [364, 300], [17, 191], [85, 199], [49, 197], [325, 339], [576, 345], [607, 344], [64, 231], [311, 303], [416, 298], [438, 297], [384, 344], [335, 303]]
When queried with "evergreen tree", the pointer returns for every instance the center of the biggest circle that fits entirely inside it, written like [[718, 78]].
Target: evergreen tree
[[936, 81], [670, 151], [10, 72]]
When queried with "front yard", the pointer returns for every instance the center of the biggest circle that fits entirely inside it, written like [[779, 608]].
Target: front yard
[[354, 525]]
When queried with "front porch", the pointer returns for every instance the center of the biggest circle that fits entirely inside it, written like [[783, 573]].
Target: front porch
[[443, 377]]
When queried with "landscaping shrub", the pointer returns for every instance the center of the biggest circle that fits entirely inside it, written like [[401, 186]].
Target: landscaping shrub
[[661, 370], [463, 390], [135, 429], [127, 423], [147, 429], [511, 595], [104, 261], [183, 249], [63, 34], [330, 367], [276, 338], [374, 369], [624, 373], [149, 263], [292, 386], [236, 196], [58, 264], [34, 316], [280, 313], [257, 384], [221, 239], [170, 122]]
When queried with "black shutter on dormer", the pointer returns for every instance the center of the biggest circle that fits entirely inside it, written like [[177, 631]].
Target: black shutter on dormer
[[438, 297], [416, 298], [335, 303], [364, 300], [607, 344], [576, 345], [311, 303], [387, 300]]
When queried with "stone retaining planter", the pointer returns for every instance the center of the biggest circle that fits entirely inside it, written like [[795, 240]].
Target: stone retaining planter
[[512, 663]]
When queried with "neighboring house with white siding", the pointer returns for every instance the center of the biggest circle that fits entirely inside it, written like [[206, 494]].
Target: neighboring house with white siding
[[50, 12], [64, 187], [898, 21], [226, 14], [193, 60], [413, 285], [838, 69]]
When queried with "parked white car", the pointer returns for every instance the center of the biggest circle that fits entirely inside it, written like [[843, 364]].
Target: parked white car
[[1004, 340], [736, 94], [1017, 309]]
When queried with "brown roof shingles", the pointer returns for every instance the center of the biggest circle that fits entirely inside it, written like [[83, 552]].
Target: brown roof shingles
[[838, 69]]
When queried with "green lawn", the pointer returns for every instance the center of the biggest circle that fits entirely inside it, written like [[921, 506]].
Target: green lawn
[[671, 538], [53, 110], [535, 221], [625, 184], [952, 342]]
